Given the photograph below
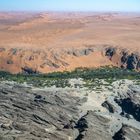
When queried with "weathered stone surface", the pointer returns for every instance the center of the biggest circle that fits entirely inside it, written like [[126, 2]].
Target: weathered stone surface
[[127, 133], [28, 113]]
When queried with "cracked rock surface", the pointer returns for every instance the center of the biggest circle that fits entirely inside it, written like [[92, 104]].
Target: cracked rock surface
[[29, 113]]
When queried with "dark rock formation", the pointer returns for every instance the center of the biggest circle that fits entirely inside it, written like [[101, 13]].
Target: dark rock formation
[[28, 70], [82, 126], [119, 135], [124, 59], [93, 126], [127, 133], [70, 125], [110, 52], [138, 65], [132, 61], [81, 52], [39, 98], [109, 106], [130, 107]]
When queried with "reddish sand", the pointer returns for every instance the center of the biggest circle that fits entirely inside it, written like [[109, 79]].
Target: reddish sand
[[44, 39]]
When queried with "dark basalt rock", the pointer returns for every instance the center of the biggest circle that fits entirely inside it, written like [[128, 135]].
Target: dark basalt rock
[[124, 57], [132, 61], [109, 106], [110, 52], [126, 60], [28, 70], [138, 65], [82, 126], [119, 135], [70, 125], [127, 133], [130, 107], [39, 98]]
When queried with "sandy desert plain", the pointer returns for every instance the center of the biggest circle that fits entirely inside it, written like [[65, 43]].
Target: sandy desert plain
[[58, 41]]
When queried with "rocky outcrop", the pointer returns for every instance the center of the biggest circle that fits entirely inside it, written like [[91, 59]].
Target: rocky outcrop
[[80, 52], [130, 103], [109, 106], [27, 113], [93, 126], [50, 64], [110, 52], [69, 113], [132, 62], [127, 133], [28, 70], [124, 59], [30, 61], [35, 114], [130, 107], [82, 126]]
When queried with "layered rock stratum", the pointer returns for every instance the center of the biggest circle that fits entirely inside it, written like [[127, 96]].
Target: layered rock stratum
[[71, 113]]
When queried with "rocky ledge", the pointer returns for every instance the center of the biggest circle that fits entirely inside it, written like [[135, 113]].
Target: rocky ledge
[[29, 113]]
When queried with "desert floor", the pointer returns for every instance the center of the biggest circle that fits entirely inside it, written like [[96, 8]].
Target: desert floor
[[54, 32]]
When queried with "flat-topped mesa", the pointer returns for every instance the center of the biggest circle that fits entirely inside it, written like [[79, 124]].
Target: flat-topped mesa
[[32, 61]]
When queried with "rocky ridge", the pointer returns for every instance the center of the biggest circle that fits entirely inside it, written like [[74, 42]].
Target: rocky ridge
[[31, 61]]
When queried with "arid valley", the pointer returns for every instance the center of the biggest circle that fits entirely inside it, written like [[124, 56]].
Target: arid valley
[[69, 76]]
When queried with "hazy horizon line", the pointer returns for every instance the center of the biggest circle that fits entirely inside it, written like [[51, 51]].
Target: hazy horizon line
[[68, 11]]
